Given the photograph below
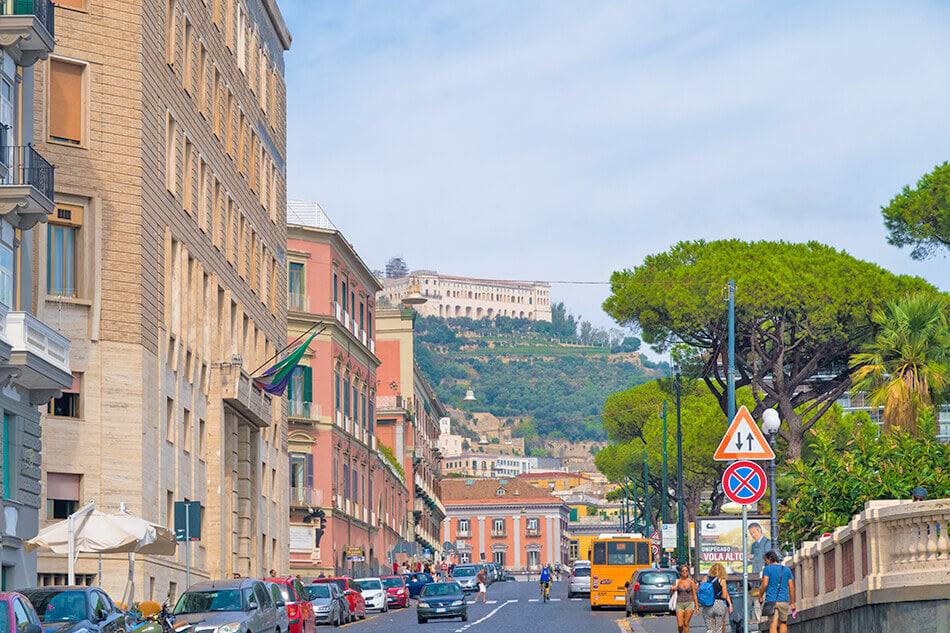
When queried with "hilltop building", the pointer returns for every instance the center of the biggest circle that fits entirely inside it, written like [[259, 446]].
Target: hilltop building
[[471, 464], [455, 296]]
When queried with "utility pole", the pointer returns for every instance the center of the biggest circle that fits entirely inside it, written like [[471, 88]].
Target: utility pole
[[635, 518], [680, 501], [646, 497]]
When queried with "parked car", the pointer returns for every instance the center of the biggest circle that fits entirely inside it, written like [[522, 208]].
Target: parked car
[[441, 600], [416, 581], [350, 589], [17, 614], [327, 605], [648, 591], [75, 610], [283, 620], [397, 594], [374, 594], [299, 609], [579, 580], [240, 605], [466, 577]]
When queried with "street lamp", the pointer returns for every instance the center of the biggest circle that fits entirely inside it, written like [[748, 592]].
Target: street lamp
[[770, 426], [680, 501]]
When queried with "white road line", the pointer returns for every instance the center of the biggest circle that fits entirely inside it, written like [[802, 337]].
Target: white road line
[[492, 602], [471, 602], [554, 599], [534, 599], [575, 599], [485, 617]]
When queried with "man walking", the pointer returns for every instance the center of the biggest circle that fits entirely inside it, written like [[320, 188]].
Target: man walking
[[482, 579], [777, 593]]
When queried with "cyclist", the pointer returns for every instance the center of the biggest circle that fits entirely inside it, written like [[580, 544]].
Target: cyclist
[[557, 571], [545, 582]]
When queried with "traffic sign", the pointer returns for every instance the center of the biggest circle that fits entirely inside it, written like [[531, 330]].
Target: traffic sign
[[744, 482], [656, 541], [743, 440]]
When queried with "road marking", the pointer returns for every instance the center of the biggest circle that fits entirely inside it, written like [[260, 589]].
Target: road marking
[[575, 599], [554, 599], [492, 602], [534, 599], [485, 617], [471, 602]]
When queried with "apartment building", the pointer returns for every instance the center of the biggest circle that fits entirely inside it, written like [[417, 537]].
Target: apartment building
[[34, 354], [408, 415], [506, 521], [164, 262], [349, 500]]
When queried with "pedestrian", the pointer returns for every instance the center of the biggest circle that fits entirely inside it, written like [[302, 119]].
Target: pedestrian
[[714, 600], [919, 494], [395, 568], [482, 579], [273, 574], [685, 590], [777, 593], [445, 570]]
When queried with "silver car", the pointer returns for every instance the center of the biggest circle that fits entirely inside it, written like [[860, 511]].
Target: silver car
[[327, 608], [579, 582], [241, 605], [283, 621]]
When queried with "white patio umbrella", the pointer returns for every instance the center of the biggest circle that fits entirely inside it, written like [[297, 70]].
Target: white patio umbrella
[[89, 531]]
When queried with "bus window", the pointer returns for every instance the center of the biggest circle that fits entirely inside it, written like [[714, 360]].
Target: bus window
[[643, 553], [621, 553], [600, 554]]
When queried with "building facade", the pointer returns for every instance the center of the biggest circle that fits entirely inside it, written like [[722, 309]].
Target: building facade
[[507, 521], [349, 500], [34, 354], [164, 263], [470, 464], [453, 296], [408, 415]]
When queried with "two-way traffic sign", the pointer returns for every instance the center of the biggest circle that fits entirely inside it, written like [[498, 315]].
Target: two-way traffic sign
[[743, 440]]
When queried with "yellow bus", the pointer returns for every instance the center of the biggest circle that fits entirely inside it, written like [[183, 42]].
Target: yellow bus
[[613, 559]]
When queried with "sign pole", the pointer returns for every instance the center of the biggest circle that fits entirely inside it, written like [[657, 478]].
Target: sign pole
[[187, 546], [745, 568]]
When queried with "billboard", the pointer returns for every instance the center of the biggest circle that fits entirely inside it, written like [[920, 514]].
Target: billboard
[[720, 541]]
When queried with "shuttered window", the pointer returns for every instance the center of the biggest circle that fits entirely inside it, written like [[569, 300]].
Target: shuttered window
[[72, 4], [65, 101]]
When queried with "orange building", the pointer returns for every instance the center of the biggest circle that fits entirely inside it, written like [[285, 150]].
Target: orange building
[[507, 521]]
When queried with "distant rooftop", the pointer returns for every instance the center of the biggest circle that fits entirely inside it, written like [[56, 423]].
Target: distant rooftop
[[308, 213]]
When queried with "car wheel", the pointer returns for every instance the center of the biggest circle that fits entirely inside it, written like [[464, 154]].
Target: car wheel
[[422, 620], [465, 616]]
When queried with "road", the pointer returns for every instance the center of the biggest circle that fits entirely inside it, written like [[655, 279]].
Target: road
[[514, 607]]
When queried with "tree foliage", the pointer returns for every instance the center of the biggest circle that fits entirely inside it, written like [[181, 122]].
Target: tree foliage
[[920, 217], [801, 311], [907, 364]]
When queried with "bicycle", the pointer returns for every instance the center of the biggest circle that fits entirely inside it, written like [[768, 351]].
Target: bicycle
[[545, 591]]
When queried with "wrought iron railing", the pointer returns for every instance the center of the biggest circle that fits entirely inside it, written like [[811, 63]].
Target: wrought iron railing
[[26, 166], [42, 9]]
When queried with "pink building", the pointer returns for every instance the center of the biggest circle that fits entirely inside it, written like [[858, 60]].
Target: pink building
[[349, 502]]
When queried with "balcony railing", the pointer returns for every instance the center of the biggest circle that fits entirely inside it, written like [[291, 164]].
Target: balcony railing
[[303, 409], [25, 166], [42, 9], [499, 533], [532, 532], [297, 301], [305, 497]]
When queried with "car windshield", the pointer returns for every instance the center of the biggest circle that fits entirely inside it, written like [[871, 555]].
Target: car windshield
[[286, 592], [65, 606], [655, 578], [392, 582], [582, 572], [339, 583], [464, 571], [318, 591], [441, 589], [210, 600], [370, 583]]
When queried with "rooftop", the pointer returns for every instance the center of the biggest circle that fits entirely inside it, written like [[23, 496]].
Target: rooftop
[[488, 491]]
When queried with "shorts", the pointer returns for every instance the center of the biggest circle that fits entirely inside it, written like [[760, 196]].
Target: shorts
[[781, 609], [685, 606], [481, 587]]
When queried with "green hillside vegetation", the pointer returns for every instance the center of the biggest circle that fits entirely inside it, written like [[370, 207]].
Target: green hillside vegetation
[[552, 377]]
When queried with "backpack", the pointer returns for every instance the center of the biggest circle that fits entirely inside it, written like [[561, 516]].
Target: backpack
[[706, 594]]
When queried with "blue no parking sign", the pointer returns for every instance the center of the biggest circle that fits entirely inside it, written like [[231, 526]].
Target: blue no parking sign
[[744, 482]]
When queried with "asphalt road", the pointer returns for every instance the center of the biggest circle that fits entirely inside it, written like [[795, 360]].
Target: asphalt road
[[513, 607]]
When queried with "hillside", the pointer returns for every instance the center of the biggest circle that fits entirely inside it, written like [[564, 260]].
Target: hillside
[[542, 380]]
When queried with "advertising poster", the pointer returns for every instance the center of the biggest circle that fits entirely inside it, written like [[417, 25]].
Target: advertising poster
[[720, 541]]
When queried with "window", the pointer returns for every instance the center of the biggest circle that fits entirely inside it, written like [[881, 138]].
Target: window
[[169, 419], [622, 553], [67, 405], [336, 391], [498, 558], [346, 481], [171, 32], [464, 527], [336, 293], [171, 153], [498, 526], [66, 101], [295, 282], [343, 287], [534, 559], [62, 494], [62, 242], [71, 4], [188, 430], [6, 274], [201, 439]]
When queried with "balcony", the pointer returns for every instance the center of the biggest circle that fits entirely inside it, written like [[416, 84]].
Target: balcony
[[499, 533], [39, 356], [532, 532], [305, 497], [465, 534], [239, 391], [303, 410], [26, 184], [27, 29], [297, 302]]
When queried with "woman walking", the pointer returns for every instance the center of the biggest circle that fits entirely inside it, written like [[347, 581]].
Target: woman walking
[[685, 589], [714, 615]]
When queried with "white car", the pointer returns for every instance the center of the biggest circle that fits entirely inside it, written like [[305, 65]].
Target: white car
[[373, 593]]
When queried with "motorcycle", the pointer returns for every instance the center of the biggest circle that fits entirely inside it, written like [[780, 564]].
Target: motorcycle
[[149, 618]]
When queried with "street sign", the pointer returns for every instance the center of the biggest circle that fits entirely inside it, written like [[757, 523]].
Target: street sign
[[655, 544], [743, 440], [669, 536], [187, 521], [744, 482]]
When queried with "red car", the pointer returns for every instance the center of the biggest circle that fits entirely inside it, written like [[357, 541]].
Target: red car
[[17, 614], [350, 589], [397, 593], [299, 608]]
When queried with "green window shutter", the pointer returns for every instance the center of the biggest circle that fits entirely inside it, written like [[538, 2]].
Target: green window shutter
[[307, 383], [573, 514], [23, 7]]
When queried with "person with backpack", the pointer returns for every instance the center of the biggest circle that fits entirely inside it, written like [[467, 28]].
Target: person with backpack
[[714, 600]]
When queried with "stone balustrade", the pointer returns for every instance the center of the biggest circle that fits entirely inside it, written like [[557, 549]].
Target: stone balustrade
[[892, 552]]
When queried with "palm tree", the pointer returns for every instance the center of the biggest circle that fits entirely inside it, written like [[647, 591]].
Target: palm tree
[[908, 362]]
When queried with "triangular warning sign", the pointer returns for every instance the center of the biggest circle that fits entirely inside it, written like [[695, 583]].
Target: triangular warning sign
[[743, 440]]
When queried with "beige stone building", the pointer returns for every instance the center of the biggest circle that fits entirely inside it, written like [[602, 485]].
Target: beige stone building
[[164, 264], [453, 296]]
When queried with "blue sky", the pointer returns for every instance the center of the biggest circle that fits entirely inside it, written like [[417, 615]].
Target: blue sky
[[565, 140]]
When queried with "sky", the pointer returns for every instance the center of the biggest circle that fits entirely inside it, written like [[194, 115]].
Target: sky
[[565, 140]]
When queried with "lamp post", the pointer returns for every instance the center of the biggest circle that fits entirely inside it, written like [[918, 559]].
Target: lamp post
[[646, 497], [665, 486], [770, 426], [680, 501]]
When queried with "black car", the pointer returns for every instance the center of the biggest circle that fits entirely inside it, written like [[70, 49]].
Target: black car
[[415, 582], [441, 600], [74, 609]]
